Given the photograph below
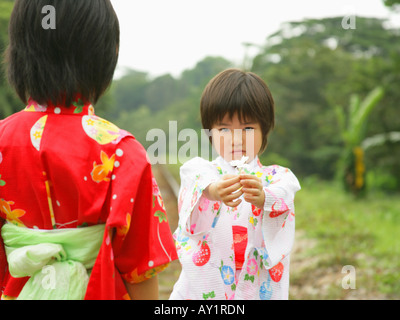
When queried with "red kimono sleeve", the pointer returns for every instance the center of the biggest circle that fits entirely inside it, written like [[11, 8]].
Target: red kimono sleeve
[[143, 243], [138, 241]]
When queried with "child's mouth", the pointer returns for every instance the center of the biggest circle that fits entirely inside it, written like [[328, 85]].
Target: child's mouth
[[239, 152]]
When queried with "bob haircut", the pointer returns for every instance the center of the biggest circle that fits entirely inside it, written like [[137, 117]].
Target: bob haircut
[[235, 91], [79, 56]]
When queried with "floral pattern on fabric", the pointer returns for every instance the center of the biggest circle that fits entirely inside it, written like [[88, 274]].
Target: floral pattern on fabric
[[81, 170], [205, 239]]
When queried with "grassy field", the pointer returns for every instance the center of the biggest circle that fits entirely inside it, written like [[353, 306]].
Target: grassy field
[[334, 230], [363, 233]]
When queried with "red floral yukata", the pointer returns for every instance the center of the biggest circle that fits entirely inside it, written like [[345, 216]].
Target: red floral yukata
[[67, 168]]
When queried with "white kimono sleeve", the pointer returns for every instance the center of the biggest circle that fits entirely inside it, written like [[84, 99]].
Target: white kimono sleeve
[[278, 223], [196, 212]]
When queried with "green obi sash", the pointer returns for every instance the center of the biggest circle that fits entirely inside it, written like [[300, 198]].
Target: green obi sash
[[55, 260]]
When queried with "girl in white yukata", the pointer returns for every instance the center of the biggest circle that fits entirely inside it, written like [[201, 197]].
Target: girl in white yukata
[[236, 216]]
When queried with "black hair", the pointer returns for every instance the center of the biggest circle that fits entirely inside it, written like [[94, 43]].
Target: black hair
[[235, 91], [79, 56]]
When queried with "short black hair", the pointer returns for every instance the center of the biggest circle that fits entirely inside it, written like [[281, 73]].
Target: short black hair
[[244, 93], [79, 56]]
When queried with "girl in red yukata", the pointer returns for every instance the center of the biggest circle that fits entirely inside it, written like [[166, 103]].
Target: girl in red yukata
[[80, 211]]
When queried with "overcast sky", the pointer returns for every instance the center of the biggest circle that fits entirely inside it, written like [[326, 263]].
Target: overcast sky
[[169, 36]]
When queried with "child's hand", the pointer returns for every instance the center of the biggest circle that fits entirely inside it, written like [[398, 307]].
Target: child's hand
[[226, 190], [253, 190]]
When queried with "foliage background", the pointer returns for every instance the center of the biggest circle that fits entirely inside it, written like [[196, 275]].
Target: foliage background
[[312, 67]]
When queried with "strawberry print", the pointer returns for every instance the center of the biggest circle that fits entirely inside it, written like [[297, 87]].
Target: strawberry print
[[201, 257], [256, 211], [276, 272]]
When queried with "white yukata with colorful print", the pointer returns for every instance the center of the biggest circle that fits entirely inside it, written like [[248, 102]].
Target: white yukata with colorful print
[[205, 241]]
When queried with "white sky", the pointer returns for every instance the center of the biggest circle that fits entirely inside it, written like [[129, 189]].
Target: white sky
[[169, 36]]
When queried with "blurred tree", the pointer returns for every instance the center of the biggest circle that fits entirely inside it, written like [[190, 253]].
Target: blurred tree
[[129, 91], [353, 130], [204, 71], [160, 92], [143, 104], [395, 4], [313, 65], [9, 103]]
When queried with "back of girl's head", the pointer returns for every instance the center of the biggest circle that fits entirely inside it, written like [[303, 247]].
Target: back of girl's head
[[79, 56], [237, 92]]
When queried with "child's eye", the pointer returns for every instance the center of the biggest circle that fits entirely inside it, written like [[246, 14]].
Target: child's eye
[[248, 128], [224, 130]]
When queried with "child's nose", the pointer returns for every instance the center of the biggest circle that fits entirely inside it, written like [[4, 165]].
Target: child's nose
[[237, 137]]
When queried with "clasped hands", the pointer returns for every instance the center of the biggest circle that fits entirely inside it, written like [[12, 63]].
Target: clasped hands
[[231, 187]]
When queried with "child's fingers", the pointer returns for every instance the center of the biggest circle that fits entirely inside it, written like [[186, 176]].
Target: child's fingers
[[230, 177], [233, 204], [247, 177], [252, 191], [229, 181], [232, 188], [251, 195], [249, 198], [250, 182], [233, 196], [252, 188]]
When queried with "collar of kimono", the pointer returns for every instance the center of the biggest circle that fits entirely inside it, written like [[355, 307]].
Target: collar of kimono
[[79, 107], [55, 260]]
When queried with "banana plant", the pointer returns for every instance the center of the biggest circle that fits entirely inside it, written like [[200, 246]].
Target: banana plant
[[353, 130]]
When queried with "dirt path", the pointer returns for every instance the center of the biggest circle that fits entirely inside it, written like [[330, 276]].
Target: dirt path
[[170, 275]]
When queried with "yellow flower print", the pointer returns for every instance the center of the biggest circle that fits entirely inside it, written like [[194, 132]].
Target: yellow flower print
[[90, 122], [251, 220], [37, 132], [100, 172], [134, 277], [122, 231], [259, 174], [37, 135], [12, 215]]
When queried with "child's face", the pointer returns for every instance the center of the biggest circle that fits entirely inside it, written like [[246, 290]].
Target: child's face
[[233, 139]]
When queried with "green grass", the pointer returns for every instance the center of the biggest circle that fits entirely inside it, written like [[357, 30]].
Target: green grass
[[364, 233]]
